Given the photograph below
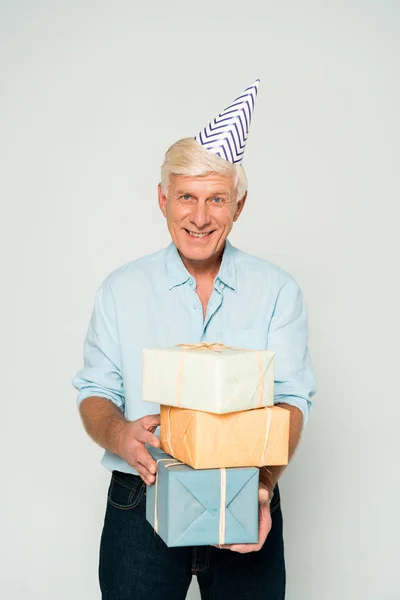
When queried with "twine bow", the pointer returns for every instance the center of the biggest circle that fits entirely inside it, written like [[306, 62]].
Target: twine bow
[[215, 347]]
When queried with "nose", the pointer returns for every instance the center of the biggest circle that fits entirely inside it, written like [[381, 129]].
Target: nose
[[200, 216]]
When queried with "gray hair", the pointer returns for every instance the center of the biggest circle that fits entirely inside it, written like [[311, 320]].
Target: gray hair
[[188, 157]]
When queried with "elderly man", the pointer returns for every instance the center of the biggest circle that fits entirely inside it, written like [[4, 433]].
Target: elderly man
[[198, 289]]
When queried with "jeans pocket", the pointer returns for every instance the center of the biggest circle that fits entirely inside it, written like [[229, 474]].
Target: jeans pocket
[[125, 490]]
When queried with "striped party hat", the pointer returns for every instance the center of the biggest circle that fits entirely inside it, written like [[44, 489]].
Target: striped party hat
[[227, 134]]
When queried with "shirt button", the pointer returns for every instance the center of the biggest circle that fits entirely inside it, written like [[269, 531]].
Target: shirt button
[[191, 282]]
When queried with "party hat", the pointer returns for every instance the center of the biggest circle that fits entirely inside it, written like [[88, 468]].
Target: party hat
[[227, 134]]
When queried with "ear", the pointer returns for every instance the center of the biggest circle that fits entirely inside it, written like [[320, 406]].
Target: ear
[[239, 207], [162, 201]]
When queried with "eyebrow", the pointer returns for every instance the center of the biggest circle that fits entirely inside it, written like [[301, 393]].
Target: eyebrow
[[182, 193]]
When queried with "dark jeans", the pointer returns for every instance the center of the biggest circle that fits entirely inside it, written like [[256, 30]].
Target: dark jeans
[[135, 564]]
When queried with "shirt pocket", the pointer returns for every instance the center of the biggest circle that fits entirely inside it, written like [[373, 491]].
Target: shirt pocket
[[251, 339]]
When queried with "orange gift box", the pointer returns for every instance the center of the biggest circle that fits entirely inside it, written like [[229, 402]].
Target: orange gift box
[[250, 438]]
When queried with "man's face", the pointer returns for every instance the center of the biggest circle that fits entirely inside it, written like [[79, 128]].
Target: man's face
[[200, 212]]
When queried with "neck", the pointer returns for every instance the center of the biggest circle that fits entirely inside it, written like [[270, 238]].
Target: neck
[[203, 269]]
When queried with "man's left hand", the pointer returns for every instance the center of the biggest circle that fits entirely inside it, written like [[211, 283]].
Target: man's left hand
[[264, 525]]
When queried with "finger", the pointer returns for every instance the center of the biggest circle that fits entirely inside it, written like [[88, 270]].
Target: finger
[[226, 546], [263, 497], [151, 421], [240, 548], [144, 458], [146, 437], [145, 474], [244, 548]]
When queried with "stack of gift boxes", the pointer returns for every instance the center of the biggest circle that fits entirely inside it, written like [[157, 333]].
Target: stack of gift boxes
[[218, 427]]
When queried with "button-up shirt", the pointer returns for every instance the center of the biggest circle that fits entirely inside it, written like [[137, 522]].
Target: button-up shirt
[[152, 303]]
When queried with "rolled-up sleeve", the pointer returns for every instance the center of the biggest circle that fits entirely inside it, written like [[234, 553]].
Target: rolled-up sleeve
[[101, 373], [288, 337]]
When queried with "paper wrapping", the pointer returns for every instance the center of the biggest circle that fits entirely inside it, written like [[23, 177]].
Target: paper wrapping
[[208, 377], [184, 505], [202, 440]]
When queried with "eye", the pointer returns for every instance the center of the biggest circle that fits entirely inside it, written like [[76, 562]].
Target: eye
[[217, 200], [186, 196]]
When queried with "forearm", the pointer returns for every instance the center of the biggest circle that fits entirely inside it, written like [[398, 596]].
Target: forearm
[[270, 475], [103, 421]]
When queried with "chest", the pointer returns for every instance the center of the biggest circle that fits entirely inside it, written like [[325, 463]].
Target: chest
[[204, 292], [189, 314]]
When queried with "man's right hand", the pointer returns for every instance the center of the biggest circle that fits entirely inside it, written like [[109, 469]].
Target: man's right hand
[[131, 445]]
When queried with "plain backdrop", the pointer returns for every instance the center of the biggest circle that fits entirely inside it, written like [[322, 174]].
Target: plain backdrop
[[92, 94]]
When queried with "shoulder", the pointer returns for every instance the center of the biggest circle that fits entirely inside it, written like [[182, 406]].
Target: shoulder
[[254, 270], [138, 271]]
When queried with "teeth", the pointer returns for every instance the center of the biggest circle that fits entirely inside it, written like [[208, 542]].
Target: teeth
[[198, 235]]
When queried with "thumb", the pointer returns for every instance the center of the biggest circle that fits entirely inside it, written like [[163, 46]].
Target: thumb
[[151, 421]]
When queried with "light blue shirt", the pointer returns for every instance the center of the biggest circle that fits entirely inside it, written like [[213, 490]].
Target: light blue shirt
[[152, 303]]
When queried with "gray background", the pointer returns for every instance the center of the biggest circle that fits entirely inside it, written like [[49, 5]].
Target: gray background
[[92, 94]]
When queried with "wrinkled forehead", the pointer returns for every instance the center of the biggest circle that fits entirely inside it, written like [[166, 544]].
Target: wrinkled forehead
[[209, 183]]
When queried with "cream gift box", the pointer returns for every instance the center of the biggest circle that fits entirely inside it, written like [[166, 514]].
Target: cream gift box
[[208, 377], [250, 438]]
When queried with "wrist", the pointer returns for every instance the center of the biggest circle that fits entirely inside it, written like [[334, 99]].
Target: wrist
[[116, 435]]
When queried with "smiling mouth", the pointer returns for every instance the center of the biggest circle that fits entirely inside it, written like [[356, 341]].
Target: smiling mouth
[[196, 235]]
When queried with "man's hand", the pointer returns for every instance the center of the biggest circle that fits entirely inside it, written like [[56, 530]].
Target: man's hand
[[132, 437], [264, 524]]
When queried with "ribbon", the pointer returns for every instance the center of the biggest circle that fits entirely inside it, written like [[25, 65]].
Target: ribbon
[[222, 507], [174, 463], [267, 430], [260, 379], [168, 440], [217, 347]]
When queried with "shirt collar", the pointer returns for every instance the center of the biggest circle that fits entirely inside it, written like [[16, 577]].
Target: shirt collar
[[176, 271], [178, 274], [227, 270]]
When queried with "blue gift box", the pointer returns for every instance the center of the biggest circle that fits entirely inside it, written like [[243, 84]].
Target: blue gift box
[[189, 507]]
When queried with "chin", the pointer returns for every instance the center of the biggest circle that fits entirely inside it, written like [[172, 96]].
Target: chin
[[193, 253]]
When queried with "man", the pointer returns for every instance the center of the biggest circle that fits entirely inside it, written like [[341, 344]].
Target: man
[[198, 289]]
